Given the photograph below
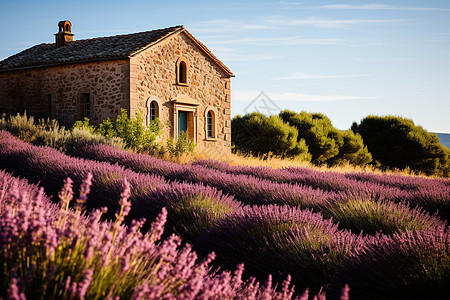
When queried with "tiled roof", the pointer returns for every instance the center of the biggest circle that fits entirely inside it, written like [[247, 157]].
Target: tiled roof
[[113, 47]]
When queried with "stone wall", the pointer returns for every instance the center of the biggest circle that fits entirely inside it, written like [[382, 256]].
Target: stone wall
[[107, 82], [130, 84], [153, 77]]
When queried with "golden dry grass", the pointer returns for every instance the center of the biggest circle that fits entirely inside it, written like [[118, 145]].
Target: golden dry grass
[[279, 163]]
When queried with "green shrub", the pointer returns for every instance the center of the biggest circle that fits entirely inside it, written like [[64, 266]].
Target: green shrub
[[83, 135], [257, 134], [49, 133], [351, 150], [317, 131], [387, 217], [131, 130], [85, 125], [21, 126], [184, 144], [397, 143], [327, 144]]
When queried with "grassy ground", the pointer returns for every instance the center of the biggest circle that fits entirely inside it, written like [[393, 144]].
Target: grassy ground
[[279, 163]]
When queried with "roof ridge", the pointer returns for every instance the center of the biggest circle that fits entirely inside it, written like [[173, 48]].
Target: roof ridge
[[175, 30], [100, 48], [128, 34]]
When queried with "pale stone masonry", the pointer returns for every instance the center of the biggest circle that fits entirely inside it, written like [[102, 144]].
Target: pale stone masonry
[[165, 74]]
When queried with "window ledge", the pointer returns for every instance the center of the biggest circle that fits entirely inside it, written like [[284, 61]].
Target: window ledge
[[182, 84], [211, 139]]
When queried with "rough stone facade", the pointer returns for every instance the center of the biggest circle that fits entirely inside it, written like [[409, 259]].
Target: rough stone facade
[[166, 72], [55, 91], [153, 77]]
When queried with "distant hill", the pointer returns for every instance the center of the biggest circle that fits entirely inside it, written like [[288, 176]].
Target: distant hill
[[444, 138]]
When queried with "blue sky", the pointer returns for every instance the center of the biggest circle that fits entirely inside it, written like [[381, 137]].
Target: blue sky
[[346, 59]]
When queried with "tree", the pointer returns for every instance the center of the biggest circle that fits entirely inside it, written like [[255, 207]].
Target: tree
[[352, 150], [257, 134], [396, 142], [327, 144]]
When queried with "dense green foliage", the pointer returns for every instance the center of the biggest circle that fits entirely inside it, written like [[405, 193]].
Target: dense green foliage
[[131, 130], [184, 144], [397, 143], [50, 133], [121, 133], [326, 143], [257, 134], [308, 136]]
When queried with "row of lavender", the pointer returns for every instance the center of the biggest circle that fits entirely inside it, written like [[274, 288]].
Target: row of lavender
[[185, 202], [400, 181], [299, 187], [49, 251], [317, 250], [429, 193]]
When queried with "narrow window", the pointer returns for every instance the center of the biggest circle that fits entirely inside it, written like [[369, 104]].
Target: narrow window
[[182, 72], [49, 105], [209, 122], [152, 111], [85, 105]]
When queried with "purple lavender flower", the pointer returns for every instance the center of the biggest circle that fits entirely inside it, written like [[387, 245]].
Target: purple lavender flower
[[84, 284]]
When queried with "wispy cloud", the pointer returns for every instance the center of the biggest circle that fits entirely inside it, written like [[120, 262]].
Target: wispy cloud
[[291, 3], [291, 40], [317, 98], [226, 57], [380, 7], [227, 54], [297, 75], [384, 59], [248, 95], [224, 25], [103, 32], [327, 23]]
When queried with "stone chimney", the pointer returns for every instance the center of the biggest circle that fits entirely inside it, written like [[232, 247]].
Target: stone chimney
[[65, 35]]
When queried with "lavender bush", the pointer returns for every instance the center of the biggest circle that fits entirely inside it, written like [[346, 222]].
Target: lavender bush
[[387, 217], [300, 187], [431, 194], [279, 241], [149, 193], [59, 253], [245, 188], [274, 236], [410, 265]]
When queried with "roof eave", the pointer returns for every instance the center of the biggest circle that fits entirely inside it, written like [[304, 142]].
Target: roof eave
[[63, 63], [157, 41], [195, 41], [209, 53]]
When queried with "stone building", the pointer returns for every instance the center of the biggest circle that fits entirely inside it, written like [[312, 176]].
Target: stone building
[[165, 73]]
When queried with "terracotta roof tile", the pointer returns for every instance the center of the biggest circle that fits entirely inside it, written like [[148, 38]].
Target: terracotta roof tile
[[113, 47]]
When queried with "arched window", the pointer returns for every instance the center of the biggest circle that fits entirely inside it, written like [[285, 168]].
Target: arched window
[[153, 111], [210, 124], [182, 71]]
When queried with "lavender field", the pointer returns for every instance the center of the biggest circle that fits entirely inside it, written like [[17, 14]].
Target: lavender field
[[288, 233]]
